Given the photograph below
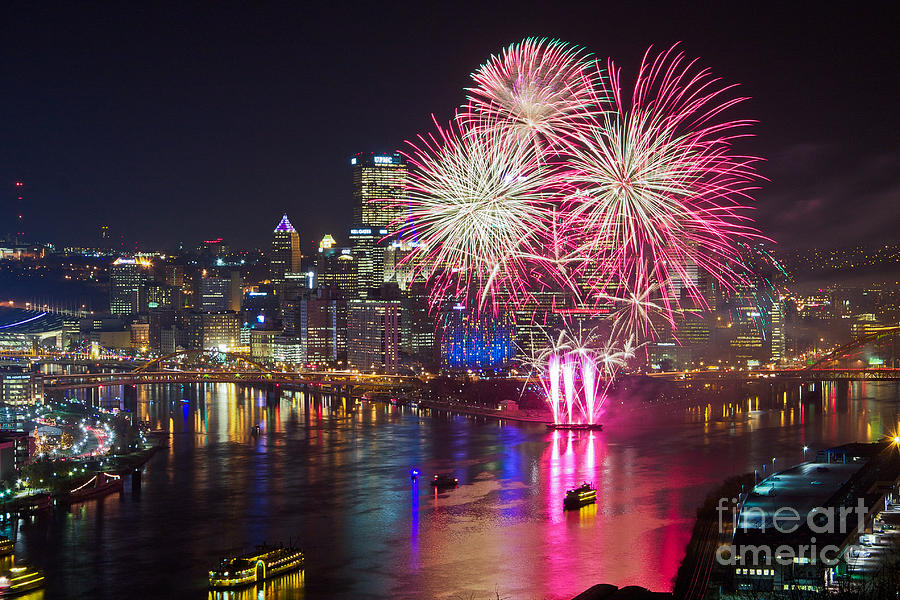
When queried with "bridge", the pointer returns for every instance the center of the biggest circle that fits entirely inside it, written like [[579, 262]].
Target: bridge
[[314, 379]]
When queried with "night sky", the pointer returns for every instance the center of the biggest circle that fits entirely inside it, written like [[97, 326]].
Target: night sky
[[188, 121]]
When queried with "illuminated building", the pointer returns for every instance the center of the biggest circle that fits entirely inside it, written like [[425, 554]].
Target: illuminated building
[[319, 348], [417, 325], [139, 335], [162, 295], [15, 450], [373, 332], [214, 331], [368, 245], [214, 294], [470, 341], [25, 330], [396, 268], [288, 350], [337, 270], [126, 280], [778, 336], [262, 344], [286, 255], [379, 189], [20, 388]]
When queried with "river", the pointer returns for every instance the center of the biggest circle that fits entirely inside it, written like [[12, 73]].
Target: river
[[332, 474]]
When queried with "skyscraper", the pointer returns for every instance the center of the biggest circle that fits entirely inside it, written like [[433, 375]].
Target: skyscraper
[[368, 245], [126, 280], [285, 251], [373, 332], [379, 187]]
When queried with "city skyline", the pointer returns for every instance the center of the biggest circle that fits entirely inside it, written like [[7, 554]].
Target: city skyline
[[824, 160]]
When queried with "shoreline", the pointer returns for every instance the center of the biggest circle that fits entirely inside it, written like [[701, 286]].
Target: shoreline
[[485, 412]]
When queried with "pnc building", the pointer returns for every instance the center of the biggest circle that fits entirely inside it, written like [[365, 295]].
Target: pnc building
[[285, 251]]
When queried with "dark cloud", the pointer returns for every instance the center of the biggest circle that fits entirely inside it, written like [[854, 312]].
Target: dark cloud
[[821, 195]]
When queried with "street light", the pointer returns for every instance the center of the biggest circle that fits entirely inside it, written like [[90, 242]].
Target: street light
[[805, 448]]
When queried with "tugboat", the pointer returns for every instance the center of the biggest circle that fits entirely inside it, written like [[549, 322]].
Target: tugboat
[[444, 481], [263, 563], [580, 496]]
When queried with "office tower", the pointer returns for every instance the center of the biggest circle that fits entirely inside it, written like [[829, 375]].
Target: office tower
[[162, 296], [476, 341], [379, 189], [214, 294], [285, 256], [778, 334], [373, 328], [336, 269], [318, 347], [235, 291], [213, 331], [417, 324], [368, 244], [126, 280]]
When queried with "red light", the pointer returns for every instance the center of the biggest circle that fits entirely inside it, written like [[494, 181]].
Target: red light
[[19, 184]]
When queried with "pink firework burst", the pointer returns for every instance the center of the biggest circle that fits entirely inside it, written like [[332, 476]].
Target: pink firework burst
[[660, 193], [539, 89]]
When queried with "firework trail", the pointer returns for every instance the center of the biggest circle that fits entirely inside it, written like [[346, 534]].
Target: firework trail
[[659, 188], [479, 206], [539, 90]]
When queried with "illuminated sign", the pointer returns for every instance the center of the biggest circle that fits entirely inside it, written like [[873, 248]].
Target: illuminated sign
[[258, 294], [384, 160], [876, 362], [352, 161]]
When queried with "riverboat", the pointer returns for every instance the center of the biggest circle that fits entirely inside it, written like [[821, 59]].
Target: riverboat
[[20, 579], [580, 496], [265, 562]]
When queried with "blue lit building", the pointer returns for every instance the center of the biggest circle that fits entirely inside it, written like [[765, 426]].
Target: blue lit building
[[470, 341]]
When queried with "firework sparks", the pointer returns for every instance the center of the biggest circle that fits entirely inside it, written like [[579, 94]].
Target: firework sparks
[[539, 89], [479, 208], [659, 189]]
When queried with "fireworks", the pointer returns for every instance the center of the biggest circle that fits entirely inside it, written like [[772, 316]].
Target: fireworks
[[479, 208], [658, 189], [550, 178], [540, 90]]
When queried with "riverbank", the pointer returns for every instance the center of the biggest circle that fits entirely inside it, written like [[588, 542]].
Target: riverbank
[[530, 416]]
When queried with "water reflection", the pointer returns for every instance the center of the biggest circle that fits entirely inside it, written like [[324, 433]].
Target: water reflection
[[285, 587], [334, 473]]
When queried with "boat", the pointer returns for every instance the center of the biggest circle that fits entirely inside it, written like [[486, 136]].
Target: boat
[[254, 430], [20, 579], [414, 474], [443, 481], [100, 484], [580, 496], [576, 426], [265, 562]]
